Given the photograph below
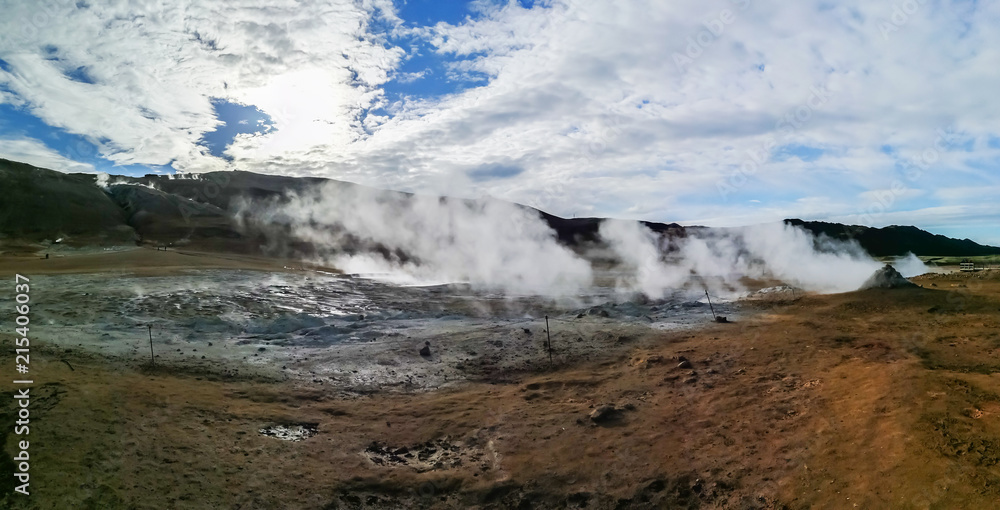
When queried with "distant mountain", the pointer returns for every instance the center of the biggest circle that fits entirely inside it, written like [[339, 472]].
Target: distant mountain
[[897, 240], [38, 204], [43, 205]]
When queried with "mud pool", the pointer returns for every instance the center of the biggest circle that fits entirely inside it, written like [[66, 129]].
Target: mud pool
[[355, 334]]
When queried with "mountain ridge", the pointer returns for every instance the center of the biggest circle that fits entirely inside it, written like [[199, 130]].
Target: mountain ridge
[[41, 204]]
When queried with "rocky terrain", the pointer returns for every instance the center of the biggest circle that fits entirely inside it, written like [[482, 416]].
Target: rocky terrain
[[882, 398]]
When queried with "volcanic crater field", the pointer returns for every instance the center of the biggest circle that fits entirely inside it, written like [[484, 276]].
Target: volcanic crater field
[[295, 387]]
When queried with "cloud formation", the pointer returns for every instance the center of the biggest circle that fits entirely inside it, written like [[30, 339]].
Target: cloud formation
[[34, 152], [722, 113]]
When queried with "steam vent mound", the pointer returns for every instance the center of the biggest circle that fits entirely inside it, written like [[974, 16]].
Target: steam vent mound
[[886, 278]]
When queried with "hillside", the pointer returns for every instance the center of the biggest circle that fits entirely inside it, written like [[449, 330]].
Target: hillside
[[43, 205], [39, 204], [897, 240]]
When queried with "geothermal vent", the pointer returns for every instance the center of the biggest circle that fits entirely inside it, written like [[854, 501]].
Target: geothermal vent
[[886, 278]]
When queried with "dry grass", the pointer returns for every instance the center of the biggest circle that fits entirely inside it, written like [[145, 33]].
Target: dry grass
[[879, 399]]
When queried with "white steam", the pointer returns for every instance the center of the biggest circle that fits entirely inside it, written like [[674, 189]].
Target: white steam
[[720, 258], [489, 244], [103, 180], [500, 246], [909, 265]]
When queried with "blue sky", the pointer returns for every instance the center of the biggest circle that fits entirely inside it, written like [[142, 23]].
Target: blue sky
[[719, 113]]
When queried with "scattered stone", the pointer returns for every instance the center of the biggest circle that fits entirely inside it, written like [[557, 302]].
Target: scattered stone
[[429, 456], [886, 278], [646, 363], [604, 413], [426, 349], [684, 364], [294, 432]]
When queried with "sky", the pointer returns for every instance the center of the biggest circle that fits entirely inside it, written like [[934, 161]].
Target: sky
[[710, 112]]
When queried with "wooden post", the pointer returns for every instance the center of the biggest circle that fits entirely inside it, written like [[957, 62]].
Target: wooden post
[[152, 359], [710, 305], [548, 337]]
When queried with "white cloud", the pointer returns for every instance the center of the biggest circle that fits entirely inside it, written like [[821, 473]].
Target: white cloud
[[313, 66], [585, 97], [581, 102], [36, 153]]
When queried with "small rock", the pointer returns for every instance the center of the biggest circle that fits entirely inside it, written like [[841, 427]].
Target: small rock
[[684, 364], [603, 413]]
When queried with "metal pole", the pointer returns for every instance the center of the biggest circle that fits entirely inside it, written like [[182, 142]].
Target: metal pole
[[548, 337], [152, 360], [710, 305]]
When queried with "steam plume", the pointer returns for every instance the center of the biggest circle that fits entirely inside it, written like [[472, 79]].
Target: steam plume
[[490, 244], [499, 246]]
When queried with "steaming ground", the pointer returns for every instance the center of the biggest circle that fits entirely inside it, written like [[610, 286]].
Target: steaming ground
[[885, 398], [351, 333], [503, 247]]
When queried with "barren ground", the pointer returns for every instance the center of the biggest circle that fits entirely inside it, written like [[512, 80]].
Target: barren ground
[[876, 399]]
